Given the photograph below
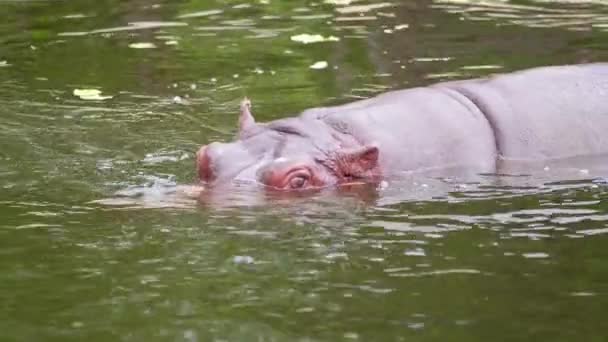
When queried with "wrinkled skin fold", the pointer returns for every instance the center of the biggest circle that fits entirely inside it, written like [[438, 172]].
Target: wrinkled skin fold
[[537, 114]]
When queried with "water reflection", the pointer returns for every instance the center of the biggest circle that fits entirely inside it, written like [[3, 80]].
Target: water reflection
[[532, 180], [579, 15], [105, 237]]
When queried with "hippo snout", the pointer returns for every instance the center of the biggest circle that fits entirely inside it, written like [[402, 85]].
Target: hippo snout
[[224, 162]]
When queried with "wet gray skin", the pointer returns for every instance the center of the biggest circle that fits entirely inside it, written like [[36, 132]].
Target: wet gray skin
[[292, 153], [538, 114]]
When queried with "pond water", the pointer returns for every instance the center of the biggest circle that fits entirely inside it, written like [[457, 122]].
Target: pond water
[[101, 241]]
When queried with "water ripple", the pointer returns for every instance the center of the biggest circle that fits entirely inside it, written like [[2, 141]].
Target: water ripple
[[576, 16]]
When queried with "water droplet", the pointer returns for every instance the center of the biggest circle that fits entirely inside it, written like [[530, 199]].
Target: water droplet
[[415, 252], [539, 255], [142, 45], [243, 259]]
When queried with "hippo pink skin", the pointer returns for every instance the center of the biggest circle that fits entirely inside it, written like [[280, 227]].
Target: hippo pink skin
[[536, 114]]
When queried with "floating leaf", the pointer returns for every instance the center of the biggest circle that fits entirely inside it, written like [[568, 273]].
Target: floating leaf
[[481, 67], [313, 38], [201, 14], [90, 94], [319, 65], [144, 45], [363, 8], [339, 2], [75, 16]]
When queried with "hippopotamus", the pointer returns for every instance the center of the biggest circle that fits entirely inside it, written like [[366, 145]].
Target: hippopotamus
[[544, 113]]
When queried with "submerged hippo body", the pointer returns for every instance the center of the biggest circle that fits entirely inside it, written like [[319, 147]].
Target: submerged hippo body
[[536, 114]]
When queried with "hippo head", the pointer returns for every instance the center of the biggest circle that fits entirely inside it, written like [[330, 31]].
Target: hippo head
[[297, 153]]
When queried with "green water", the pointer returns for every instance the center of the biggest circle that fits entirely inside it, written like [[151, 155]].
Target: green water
[[97, 244]]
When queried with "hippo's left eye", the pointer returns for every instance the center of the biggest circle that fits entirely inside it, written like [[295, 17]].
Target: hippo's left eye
[[298, 178], [298, 181]]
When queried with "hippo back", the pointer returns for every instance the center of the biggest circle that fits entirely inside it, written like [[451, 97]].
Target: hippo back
[[417, 128], [544, 113]]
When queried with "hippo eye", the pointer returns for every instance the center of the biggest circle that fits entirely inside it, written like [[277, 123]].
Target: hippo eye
[[298, 181], [298, 178]]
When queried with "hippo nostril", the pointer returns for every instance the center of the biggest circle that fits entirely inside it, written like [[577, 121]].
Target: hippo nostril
[[203, 165]]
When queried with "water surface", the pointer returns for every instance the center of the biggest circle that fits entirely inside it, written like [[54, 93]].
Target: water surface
[[100, 240]]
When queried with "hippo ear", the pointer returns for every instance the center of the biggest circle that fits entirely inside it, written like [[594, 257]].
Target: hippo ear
[[246, 120], [358, 162]]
